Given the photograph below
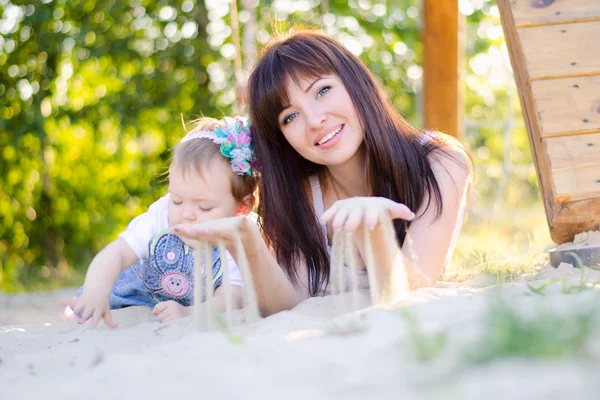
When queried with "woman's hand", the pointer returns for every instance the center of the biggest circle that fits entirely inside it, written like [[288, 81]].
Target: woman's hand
[[349, 214], [388, 278], [212, 231], [274, 289]]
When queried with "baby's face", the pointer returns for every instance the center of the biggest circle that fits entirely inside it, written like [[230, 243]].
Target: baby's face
[[201, 197]]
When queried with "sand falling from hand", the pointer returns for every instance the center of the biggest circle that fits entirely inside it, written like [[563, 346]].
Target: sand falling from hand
[[345, 266], [206, 317]]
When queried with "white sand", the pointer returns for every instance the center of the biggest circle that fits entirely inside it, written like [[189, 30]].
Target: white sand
[[311, 352]]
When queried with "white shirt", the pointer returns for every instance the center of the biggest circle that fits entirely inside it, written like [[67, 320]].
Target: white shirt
[[143, 228]]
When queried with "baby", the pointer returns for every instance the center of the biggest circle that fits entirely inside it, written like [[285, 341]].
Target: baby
[[210, 177]]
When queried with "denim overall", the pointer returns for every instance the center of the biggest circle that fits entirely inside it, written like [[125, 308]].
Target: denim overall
[[167, 274]]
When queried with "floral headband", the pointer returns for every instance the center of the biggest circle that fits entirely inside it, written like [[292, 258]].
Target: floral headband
[[236, 143]]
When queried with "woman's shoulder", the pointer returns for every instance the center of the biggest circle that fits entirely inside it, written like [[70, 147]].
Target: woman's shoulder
[[449, 156]]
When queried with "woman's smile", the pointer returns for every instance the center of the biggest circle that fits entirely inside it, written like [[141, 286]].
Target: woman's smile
[[328, 140]]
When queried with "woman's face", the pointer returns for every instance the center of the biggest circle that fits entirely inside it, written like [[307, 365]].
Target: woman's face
[[320, 122]]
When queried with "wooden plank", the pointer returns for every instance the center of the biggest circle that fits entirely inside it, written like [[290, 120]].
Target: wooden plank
[[571, 133], [574, 217], [567, 105], [575, 166], [559, 50], [440, 66], [538, 152], [565, 217], [529, 12]]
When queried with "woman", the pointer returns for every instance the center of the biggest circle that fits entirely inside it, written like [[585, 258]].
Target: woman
[[326, 139]]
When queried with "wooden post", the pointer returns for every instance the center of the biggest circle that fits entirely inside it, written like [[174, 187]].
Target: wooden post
[[440, 36]]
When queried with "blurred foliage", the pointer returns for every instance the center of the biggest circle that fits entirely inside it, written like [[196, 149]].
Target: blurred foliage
[[494, 130], [92, 94], [544, 334]]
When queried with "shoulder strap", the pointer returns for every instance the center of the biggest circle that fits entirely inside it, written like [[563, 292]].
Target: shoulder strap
[[317, 195]]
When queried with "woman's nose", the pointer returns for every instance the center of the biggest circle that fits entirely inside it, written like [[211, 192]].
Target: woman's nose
[[316, 117]]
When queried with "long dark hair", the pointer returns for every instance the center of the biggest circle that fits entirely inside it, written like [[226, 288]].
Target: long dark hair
[[397, 165]]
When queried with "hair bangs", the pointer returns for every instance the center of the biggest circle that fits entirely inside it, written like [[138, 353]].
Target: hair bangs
[[295, 61]]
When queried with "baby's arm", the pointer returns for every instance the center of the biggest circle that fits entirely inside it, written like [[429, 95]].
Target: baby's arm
[[99, 280]]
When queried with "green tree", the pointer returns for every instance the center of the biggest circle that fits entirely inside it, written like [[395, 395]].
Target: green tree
[[91, 98]]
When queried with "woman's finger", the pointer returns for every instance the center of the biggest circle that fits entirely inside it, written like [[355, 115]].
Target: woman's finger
[[340, 218], [400, 211], [196, 237], [185, 230], [372, 217], [329, 213], [354, 219], [220, 228]]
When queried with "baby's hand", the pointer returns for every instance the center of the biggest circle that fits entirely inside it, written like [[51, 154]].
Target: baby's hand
[[93, 303], [170, 310]]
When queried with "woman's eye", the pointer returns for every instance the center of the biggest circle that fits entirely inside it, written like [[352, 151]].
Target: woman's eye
[[289, 118], [323, 90]]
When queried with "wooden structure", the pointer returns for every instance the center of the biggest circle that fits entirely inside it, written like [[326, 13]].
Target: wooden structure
[[441, 95], [554, 47]]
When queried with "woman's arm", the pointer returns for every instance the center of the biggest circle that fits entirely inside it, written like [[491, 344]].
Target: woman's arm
[[429, 241], [274, 289]]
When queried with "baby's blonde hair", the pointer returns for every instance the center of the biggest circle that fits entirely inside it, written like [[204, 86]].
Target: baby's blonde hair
[[197, 153]]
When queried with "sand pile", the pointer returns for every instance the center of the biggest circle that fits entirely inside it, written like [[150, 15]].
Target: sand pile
[[435, 344]]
